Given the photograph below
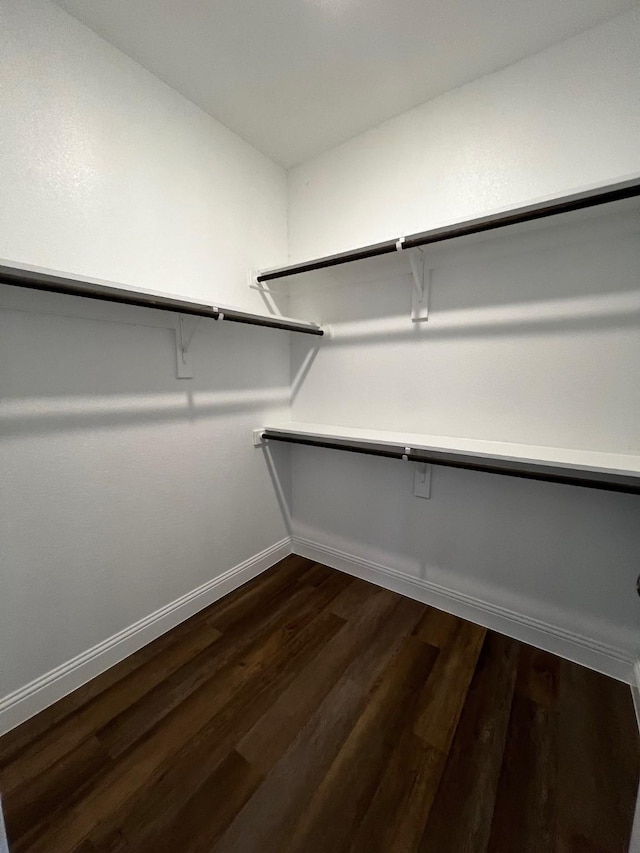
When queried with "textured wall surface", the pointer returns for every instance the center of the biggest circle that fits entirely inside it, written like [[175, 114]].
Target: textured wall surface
[[122, 487], [106, 171], [533, 338], [567, 117]]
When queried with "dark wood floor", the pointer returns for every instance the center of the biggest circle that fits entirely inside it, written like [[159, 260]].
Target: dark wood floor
[[309, 711]]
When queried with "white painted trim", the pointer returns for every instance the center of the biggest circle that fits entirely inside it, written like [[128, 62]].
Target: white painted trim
[[634, 843], [4, 844], [567, 644], [635, 689], [53, 685]]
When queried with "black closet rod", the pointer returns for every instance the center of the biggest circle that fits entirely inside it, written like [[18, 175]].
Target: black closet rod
[[578, 201], [38, 280], [629, 484]]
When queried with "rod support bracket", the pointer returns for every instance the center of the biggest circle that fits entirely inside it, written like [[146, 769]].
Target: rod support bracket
[[254, 284], [421, 289], [422, 480]]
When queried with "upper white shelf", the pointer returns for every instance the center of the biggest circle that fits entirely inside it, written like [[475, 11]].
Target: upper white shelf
[[37, 278], [611, 471], [620, 196]]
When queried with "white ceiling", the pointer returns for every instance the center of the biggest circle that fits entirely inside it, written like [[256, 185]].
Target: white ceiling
[[296, 77]]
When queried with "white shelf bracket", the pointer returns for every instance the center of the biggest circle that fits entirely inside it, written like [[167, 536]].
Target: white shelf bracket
[[422, 480], [254, 284], [421, 290], [185, 329], [268, 295]]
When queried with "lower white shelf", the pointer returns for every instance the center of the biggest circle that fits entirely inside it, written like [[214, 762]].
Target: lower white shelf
[[592, 469]]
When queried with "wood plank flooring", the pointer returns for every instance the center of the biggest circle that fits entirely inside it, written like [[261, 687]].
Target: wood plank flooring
[[311, 711]]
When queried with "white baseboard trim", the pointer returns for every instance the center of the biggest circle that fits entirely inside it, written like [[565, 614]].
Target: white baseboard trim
[[634, 843], [567, 644], [29, 700], [635, 689]]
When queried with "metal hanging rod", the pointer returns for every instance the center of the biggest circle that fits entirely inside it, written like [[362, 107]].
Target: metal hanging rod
[[540, 210], [628, 483], [35, 279]]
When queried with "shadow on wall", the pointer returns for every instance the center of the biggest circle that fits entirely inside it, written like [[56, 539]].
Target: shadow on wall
[[70, 372], [31, 416], [299, 373], [347, 336], [274, 458], [533, 277], [529, 547], [499, 268]]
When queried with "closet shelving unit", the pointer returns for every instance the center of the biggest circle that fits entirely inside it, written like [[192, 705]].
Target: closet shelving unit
[[610, 471], [34, 278], [619, 472], [609, 195]]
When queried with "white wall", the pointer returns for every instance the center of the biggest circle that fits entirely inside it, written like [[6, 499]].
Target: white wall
[[566, 117], [532, 339], [122, 487], [107, 171]]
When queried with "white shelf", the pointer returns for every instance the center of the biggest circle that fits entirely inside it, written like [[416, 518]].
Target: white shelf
[[614, 471], [39, 278], [598, 200]]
